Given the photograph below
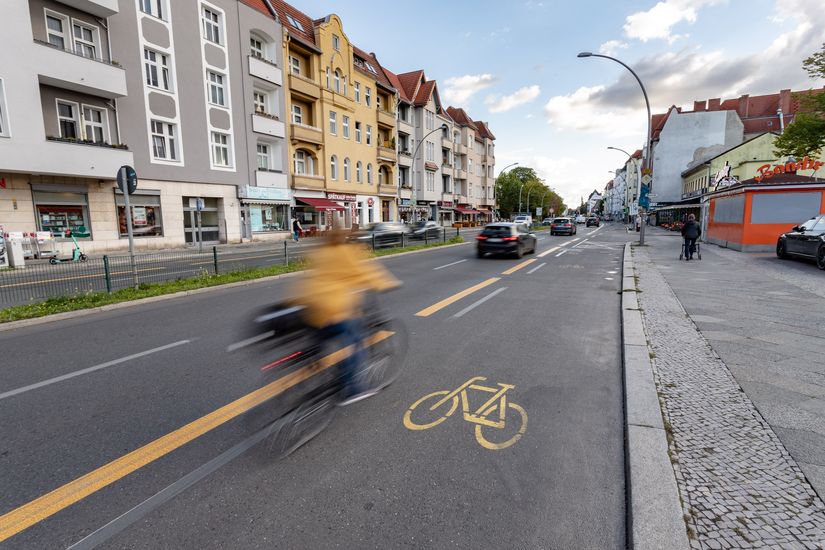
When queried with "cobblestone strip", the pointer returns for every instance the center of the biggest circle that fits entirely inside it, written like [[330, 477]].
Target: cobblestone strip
[[739, 486]]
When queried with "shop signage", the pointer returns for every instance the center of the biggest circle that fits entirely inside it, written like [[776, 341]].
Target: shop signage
[[139, 215], [695, 193], [263, 193], [445, 203], [405, 202], [340, 197], [766, 172]]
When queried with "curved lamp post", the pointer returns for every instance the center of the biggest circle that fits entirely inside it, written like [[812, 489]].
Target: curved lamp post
[[443, 128], [647, 149]]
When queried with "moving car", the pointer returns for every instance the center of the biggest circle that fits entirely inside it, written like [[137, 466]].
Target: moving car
[[526, 220], [563, 225], [505, 238], [547, 221], [804, 241], [592, 220], [383, 234], [428, 229], [580, 219]]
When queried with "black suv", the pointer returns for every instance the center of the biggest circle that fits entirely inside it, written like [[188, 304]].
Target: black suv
[[505, 238]]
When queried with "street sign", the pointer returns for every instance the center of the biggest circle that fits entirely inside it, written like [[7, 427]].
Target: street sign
[[644, 196], [646, 179], [538, 212], [127, 179]]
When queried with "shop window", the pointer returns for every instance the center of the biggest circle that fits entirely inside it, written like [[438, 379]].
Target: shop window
[[58, 212], [146, 218], [266, 217]]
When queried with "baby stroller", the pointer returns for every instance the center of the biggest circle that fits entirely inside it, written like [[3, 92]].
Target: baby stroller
[[684, 253]]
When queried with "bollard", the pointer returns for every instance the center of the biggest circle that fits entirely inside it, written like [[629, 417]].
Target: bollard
[[215, 258], [457, 231], [426, 237], [444, 234], [402, 239], [108, 273], [286, 254]]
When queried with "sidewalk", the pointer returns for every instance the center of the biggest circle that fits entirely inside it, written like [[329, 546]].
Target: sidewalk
[[737, 344]]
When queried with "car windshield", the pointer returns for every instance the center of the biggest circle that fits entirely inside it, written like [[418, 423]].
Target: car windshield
[[496, 231], [561, 220]]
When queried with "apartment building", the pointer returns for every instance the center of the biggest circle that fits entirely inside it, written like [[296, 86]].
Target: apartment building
[[474, 155], [60, 141], [405, 137], [446, 205], [485, 140]]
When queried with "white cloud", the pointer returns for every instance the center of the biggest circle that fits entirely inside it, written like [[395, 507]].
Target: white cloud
[[521, 96], [658, 21], [458, 89], [611, 47], [581, 111]]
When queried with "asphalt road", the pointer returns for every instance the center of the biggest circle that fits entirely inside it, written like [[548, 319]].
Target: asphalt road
[[129, 377]]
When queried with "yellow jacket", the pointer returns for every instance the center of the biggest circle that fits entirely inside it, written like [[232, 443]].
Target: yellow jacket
[[330, 288]]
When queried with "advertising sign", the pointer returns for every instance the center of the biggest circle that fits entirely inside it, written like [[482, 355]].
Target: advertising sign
[[340, 197], [538, 212], [139, 215]]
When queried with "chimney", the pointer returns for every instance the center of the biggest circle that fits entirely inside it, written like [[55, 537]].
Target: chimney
[[698, 105], [714, 104], [743, 107], [785, 100]]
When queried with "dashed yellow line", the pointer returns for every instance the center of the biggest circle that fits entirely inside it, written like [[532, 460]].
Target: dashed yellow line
[[49, 504], [517, 267], [426, 312]]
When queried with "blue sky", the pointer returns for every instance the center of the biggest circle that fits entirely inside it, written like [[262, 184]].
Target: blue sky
[[514, 65]]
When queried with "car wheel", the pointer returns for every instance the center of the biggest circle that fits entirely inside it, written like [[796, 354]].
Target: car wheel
[[820, 257], [781, 250], [479, 254], [519, 252]]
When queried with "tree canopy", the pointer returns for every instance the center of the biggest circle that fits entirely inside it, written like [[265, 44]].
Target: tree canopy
[[805, 136], [532, 187]]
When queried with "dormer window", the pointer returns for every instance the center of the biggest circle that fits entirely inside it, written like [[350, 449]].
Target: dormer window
[[294, 22]]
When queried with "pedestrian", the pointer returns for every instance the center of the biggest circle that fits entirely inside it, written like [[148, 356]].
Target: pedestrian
[[297, 230], [690, 232], [638, 222]]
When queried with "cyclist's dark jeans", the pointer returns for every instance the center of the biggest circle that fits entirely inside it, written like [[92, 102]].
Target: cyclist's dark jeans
[[348, 333], [690, 247]]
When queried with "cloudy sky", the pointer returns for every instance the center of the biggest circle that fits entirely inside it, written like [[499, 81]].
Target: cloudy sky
[[514, 64]]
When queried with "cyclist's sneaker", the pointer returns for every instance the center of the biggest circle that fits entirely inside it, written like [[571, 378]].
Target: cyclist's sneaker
[[357, 397]]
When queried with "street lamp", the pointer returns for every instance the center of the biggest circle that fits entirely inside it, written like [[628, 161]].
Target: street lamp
[[648, 145], [443, 128], [495, 183]]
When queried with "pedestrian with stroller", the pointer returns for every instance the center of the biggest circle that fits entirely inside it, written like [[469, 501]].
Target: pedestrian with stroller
[[691, 231]]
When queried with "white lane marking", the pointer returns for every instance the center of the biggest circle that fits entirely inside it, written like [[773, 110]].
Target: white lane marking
[[612, 272], [479, 302], [562, 252], [448, 265], [608, 278], [537, 268], [546, 252], [81, 372]]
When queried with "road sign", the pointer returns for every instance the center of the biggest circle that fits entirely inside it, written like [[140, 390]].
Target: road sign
[[538, 212], [646, 179], [127, 179]]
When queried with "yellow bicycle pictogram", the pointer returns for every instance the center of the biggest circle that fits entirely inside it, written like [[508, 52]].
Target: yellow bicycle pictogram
[[492, 415]]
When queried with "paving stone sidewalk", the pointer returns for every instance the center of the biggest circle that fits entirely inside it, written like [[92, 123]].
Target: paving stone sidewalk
[[740, 487]]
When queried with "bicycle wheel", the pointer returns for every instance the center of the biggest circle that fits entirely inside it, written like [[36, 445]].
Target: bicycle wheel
[[488, 444], [385, 358], [300, 425], [426, 417]]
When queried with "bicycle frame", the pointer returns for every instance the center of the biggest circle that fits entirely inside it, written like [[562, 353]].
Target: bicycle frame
[[478, 417]]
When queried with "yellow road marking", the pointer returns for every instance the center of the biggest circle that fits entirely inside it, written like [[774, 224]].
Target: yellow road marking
[[49, 504], [426, 312], [546, 252], [519, 266], [96, 276]]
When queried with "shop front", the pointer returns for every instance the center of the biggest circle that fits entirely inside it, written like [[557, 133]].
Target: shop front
[[410, 214], [317, 214], [466, 216], [264, 212], [367, 210], [446, 213]]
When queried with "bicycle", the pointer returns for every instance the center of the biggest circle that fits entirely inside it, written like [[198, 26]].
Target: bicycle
[[309, 412], [480, 417]]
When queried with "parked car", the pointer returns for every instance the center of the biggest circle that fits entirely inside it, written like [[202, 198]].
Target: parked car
[[547, 221], [804, 241], [383, 234], [592, 220], [563, 225], [428, 229], [524, 219], [505, 238], [580, 219]]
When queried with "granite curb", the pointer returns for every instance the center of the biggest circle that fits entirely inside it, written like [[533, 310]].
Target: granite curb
[[655, 516]]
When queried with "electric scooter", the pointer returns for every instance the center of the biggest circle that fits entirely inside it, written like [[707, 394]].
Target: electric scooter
[[77, 254]]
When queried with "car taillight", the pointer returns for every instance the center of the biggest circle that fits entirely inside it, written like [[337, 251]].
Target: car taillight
[[481, 238], [510, 239]]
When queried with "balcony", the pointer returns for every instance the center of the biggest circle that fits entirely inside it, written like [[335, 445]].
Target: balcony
[[447, 143], [65, 157], [265, 70], [308, 134], [268, 178], [386, 118], [304, 85], [387, 189], [307, 181], [446, 164], [460, 148], [70, 71], [385, 152], [100, 8], [264, 123], [404, 158], [460, 174]]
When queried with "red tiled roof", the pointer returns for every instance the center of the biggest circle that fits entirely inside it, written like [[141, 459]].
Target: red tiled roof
[[410, 82], [284, 9], [396, 83], [484, 130], [444, 114], [424, 93], [461, 117], [637, 154], [379, 75]]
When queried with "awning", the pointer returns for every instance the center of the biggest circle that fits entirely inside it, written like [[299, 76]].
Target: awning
[[263, 201], [467, 211], [320, 204]]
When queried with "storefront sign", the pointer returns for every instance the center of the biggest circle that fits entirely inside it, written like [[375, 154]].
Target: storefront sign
[[263, 193], [139, 215], [340, 197], [405, 202], [766, 172], [445, 203]]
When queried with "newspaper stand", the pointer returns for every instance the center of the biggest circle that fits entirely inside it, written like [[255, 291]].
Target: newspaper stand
[[45, 244]]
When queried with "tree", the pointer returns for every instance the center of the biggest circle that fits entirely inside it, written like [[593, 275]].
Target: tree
[[805, 136], [524, 180]]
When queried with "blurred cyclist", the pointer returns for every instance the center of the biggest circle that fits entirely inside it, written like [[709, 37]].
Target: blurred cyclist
[[332, 290]]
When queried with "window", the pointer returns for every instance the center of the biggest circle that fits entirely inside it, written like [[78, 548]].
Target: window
[[337, 80], [157, 69], [345, 124], [357, 88], [146, 220], [357, 132], [333, 167], [56, 29], [430, 181], [430, 151], [358, 172], [367, 96], [429, 120], [57, 212], [220, 149], [256, 47], [84, 40], [369, 135], [346, 169], [152, 7], [163, 140], [269, 217], [333, 123], [216, 89], [294, 64], [67, 119], [336, 43], [94, 124], [263, 156], [211, 25], [260, 100], [303, 162], [369, 173], [4, 125], [328, 82], [297, 114], [294, 22]]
